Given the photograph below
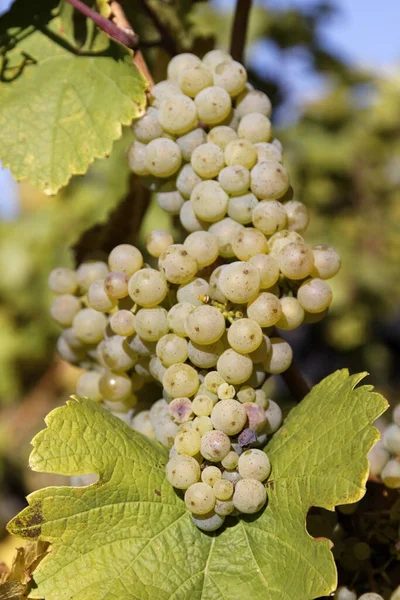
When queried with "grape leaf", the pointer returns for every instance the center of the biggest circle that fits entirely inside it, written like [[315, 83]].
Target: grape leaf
[[62, 103], [129, 535]]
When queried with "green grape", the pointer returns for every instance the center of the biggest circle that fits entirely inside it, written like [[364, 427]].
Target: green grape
[[88, 272], [177, 115], [265, 309], [186, 181], [63, 281], [269, 216], [314, 295], [224, 507], [157, 241], [343, 593], [240, 208], [158, 411], [241, 152], [378, 456], [209, 201], [203, 246], [211, 475], [189, 142], [234, 180], [117, 354], [235, 368], [202, 405], [148, 287], [200, 498], [292, 314], [249, 496], [73, 341], [253, 101], [148, 127], [209, 522], [232, 476], [88, 385], [165, 430], [371, 596], [177, 317], [221, 135], [162, 91], [245, 335], [205, 356], [151, 323], [169, 199], [125, 258], [207, 160], [223, 489], [98, 298], [230, 462], [116, 285], [224, 231], [137, 159], [229, 416], [142, 347], [255, 127], [182, 471], [231, 76], [226, 391], [163, 157], [89, 325], [390, 474], [215, 445], [213, 105], [246, 394], [188, 442], [298, 217], [239, 282], [180, 410], [64, 308], [212, 58], [269, 179], [281, 238], [296, 261], [280, 357], [273, 415], [205, 325], [267, 268], [141, 423], [177, 265], [179, 63], [248, 242], [326, 262], [212, 381], [181, 380], [202, 425], [156, 368], [172, 349], [214, 287], [188, 218], [254, 464], [115, 387], [267, 151]]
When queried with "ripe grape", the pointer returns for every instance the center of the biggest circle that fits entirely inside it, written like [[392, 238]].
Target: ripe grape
[[182, 471], [213, 105], [254, 464], [63, 281], [200, 498], [249, 496]]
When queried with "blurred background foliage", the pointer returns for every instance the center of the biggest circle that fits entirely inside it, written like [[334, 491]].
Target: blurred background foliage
[[343, 153]]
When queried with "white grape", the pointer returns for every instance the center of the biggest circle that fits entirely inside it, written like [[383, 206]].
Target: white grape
[[248, 242], [297, 215], [226, 391], [162, 90], [241, 152], [326, 262], [224, 507], [151, 323], [89, 325], [148, 127], [177, 317], [223, 489], [189, 142], [181, 380], [246, 394], [148, 287], [231, 76], [209, 522], [230, 462], [280, 357], [188, 218], [193, 291], [254, 464], [253, 101], [267, 151], [170, 199], [97, 297], [157, 241], [188, 442], [171, 349], [209, 201], [115, 387], [215, 445], [200, 498], [221, 135], [268, 269], [180, 410], [177, 265], [232, 476], [177, 115], [292, 314], [137, 158], [235, 180], [265, 309], [205, 325], [182, 471], [239, 282], [274, 417], [295, 260], [165, 430], [88, 385], [125, 258], [278, 240], [213, 105], [240, 208], [205, 356], [202, 406], [203, 246], [249, 496], [343, 593], [64, 308], [214, 287], [207, 160], [163, 157], [72, 355], [229, 416], [391, 438], [378, 456], [117, 354], [212, 58], [202, 425], [269, 216], [88, 272], [142, 347], [187, 180], [257, 420], [255, 127], [235, 368], [224, 231], [269, 180], [194, 78], [116, 285], [245, 335], [179, 63], [211, 475], [63, 281], [314, 295]]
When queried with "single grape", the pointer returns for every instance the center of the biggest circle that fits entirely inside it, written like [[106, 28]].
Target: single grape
[[215, 445], [98, 298], [200, 498], [177, 317], [202, 405], [268, 269], [391, 438], [209, 201], [326, 262], [254, 464], [221, 136], [169, 199], [193, 292], [125, 258], [141, 423], [256, 417], [224, 231], [343, 593], [213, 105], [248, 242], [63, 281], [292, 314], [89, 325], [239, 282], [137, 158], [181, 380], [224, 507], [165, 430], [172, 349], [314, 295], [245, 335], [207, 160], [230, 462], [148, 287], [163, 157], [180, 410], [188, 142], [205, 356], [246, 394], [269, 180], [296, 261], [232, 476], [209, 522], [157, 241], [241, 152], [249, 496], [212, 58], [253, 101], [274, 417], [231, 76], [269, 216], [117, 354], [116, 285], [163, 90], [235, 368], [226, 391], [267, 151], [265, 309], [88, 385], [229, 416], [240, 208], [187, 180], [279, 239], [142, 347], [177, 115], [179, 63], [188, 442], [255, 127], [223, 489], [297, 215], [211, 475], [148, 127], [203, 246], [280, 358], [182, 471], [64, 308], [151, 323], [189, 220], [177, 265], [378, 456], [212, 381], [202, 425], [205, 325], [194, 78], [115, 387], [88, 272]]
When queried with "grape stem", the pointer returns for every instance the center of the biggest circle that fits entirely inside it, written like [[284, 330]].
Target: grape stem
[[239, 29], [296, 382]]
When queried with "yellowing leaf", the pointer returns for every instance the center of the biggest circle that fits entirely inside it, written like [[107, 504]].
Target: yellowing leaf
[[129, 535]]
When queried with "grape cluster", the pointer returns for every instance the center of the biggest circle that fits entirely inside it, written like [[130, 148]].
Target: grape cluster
[[384, 456], [202, 324]]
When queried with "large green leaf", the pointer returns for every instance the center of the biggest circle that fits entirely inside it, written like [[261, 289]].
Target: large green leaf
[[62, 104], [129, 535]]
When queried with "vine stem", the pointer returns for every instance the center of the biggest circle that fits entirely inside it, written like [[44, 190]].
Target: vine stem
[[239, 29], [296, 382]]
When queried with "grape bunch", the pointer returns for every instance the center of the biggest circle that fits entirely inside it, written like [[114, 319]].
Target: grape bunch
[[200, 318], [384, 456]]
